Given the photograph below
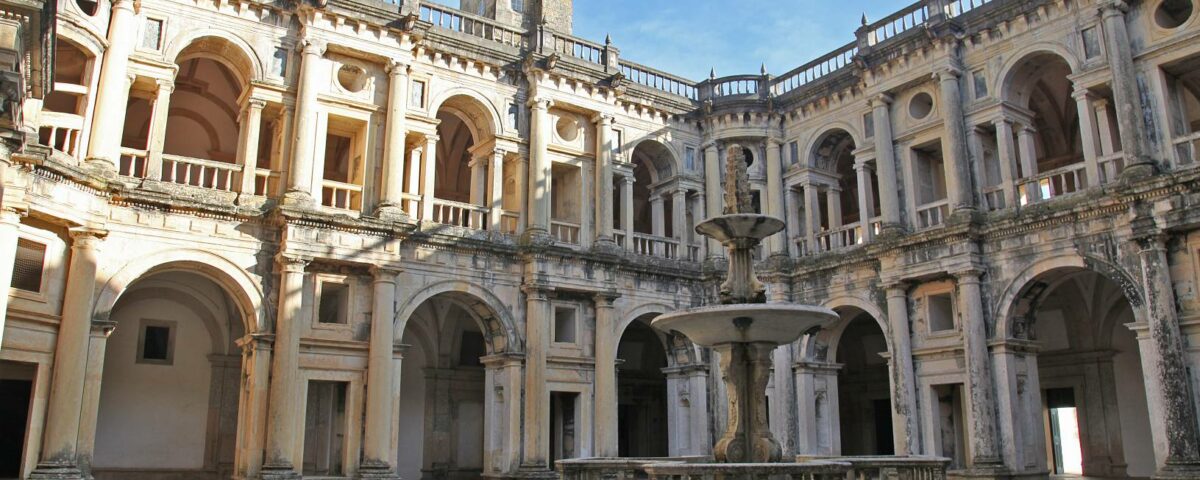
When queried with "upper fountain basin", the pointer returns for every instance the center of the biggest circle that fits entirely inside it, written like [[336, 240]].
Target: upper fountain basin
[[723, 228], [776, 323]]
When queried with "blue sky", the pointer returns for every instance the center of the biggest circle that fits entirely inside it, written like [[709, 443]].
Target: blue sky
[[688, 37]]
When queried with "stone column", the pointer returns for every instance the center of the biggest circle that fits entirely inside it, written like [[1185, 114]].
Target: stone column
[[496, 190], [885, 160], [957, 162], [1006, 151], [10, 222], [479, 187], [304, 133], [658, 221], [833, 207], [712, 192], [252, 405], [679, 216], [60, 438], [540, 169], [394, 137], [429, 178], [627, 210], [777, 244], [1168, 392], [1088, 135], [607, 337], [112, 89], [865, 199], [817, 407], [538, 315], [1104, 127], [698, 215], [377, 440], [794, 221], [812, 214], [1124, 87], [980, 395], [413, 188], [158, 131], [287, 387], [604, 184], [1026, 142], [247, 153], [905, 434]]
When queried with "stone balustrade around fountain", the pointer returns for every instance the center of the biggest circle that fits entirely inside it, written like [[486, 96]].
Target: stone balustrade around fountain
[[805, 468]]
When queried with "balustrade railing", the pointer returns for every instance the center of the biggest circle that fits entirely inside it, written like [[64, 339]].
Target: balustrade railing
[[61, 132], [199, 172], [461, 22], [954, 8], [132, 163], [266, 182], [698, 468], [811, 71], [933, 214], [619, 237], [578, 48], [994, 198], [460, 214], [1054, 183], [1112, 165], [565, 232], [341, 195], [509, 222], [811, 470], [841, 237], [655, 246], [910, 17], [649, 77], [1187, 148], [736, 85]]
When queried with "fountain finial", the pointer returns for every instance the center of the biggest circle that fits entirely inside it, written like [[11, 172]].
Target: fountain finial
[[737, 182]]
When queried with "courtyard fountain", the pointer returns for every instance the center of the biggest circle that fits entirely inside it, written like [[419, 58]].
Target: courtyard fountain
[[743, 328]]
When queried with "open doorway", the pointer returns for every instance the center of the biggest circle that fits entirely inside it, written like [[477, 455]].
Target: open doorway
[[1062, 423], [16, 391]]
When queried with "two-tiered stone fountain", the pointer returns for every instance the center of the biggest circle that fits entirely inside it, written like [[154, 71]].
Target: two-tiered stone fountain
[[744, 329]]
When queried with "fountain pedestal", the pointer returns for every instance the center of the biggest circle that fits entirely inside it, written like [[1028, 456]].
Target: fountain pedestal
[[746, 369]]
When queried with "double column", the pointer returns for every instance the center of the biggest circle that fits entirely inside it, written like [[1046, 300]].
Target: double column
[[377, 441], [112, 89], [286, 383], [302, 179], [538, 316], [1164, 363], [980, 387], [60, 441], [395, 135], [540, 169], [885, 160]]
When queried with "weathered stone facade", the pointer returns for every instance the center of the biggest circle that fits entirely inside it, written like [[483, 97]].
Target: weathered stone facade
[[362, 239]]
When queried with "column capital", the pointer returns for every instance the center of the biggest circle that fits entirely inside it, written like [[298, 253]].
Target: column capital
[[385, 274], [896, 288], [627, 179], [256, 104], [1149, 242], [87, 236], [537, 291], [881, 100], [123, 5], [773, 140], [432, 139], [396, 68], [103, 328], [968, 275], [256, 341], [165, 86], [540, 103], [605, 298], [604, 119], [1114, 7], [480, 161], [313, 46], [292, 263], [1082, 93], [948, 72]]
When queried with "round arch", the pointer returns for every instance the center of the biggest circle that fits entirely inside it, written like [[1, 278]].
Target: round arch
[[831, 337], [482, 115], [222, 46], [246, 292], [497, 321], [85, 40], [1003, 310], [200, 307], [831, 129], [668, 338], [1018, 60], [660, 162]]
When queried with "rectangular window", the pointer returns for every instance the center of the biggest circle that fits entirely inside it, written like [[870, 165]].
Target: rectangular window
[[518, 6], [941, 312], [334, 303], [979, 83], [156, 343], [152, 35], [689, 158], [1091, 43], [279, 62], [418, 94], [868, 125], [29, 266], [565, 324], [514, 116], [794, 155]]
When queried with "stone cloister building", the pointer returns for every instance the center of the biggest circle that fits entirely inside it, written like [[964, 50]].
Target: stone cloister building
[[360, 239]]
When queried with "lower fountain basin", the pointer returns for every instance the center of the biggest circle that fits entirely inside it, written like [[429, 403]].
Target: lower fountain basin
[[767, 322], [723, 228]]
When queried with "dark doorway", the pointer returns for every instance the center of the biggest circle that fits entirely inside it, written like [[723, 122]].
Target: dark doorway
[[15, 394], [641, 393]]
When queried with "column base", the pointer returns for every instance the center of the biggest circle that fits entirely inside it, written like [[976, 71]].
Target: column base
[[376, 471], [889, 231], [1137, 169], [536, 471], [1178, 471], [297, 198], [392, 213], [606, 246], [536, 237], [279, 472], [58, 471], [101, 167], [989, 469]]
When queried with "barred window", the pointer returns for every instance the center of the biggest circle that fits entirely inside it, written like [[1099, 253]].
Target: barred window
[[152, 35], [29, 265]]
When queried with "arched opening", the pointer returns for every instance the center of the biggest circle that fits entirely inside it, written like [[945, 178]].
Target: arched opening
[[1090, 404], [864, 391], [1048, 140], [64, 109], [443, 386], [840, 210], [1182, 88], [170, 389], [652, 164], [460, 186], [641, 392]]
